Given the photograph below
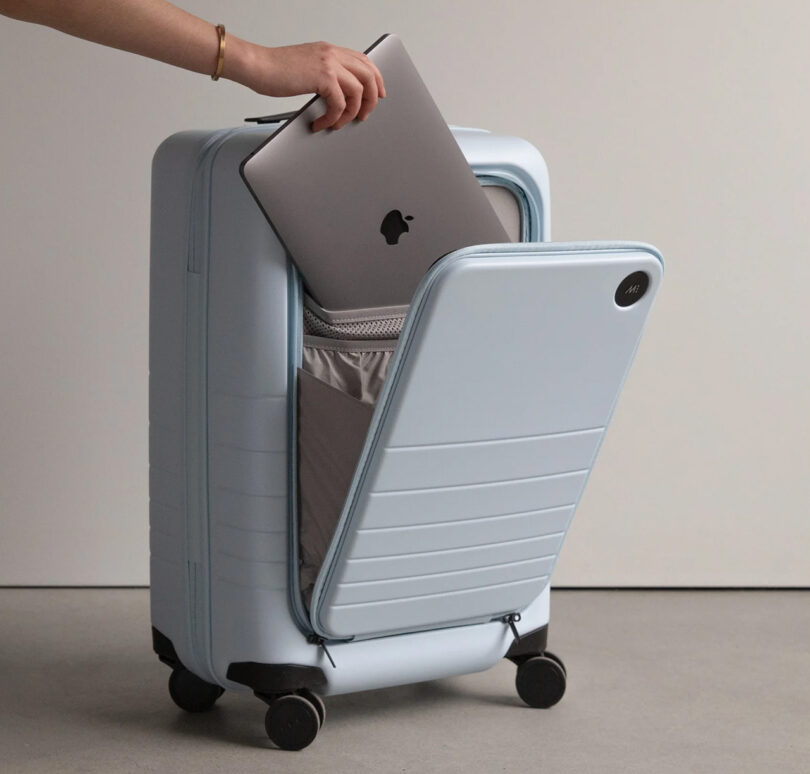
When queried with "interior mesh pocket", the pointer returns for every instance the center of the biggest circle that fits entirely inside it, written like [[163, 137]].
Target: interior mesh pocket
[[355, 326]]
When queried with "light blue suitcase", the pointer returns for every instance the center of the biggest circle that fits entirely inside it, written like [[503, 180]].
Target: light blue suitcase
[[498, 391]]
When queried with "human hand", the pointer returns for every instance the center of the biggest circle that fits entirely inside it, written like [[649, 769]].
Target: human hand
[[348, 80]]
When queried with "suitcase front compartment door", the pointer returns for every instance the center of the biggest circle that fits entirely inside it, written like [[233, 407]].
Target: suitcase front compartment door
[[504, 380]]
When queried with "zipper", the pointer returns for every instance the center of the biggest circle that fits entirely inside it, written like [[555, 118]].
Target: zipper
[[316, 639], [511, 619], [294, 343]]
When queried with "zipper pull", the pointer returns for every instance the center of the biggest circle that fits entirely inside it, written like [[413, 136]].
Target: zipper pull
[[512, 619], [315, 639]]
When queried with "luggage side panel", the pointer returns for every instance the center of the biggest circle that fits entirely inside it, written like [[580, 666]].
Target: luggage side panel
[[248, 377], [173, 169]]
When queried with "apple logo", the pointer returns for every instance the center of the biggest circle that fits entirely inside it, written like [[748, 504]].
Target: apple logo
[[394, 226]]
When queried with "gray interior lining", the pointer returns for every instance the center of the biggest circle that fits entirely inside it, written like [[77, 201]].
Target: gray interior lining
[[332, 427], [339, 382]]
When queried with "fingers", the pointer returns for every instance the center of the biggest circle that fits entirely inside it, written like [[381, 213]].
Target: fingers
[[335, 105], [374, 69], [367, 75], [351, 89]]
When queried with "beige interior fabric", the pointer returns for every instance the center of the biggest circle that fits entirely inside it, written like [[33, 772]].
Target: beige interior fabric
[[357, 368]]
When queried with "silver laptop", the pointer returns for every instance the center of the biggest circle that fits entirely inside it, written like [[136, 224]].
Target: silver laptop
[[364, 211]]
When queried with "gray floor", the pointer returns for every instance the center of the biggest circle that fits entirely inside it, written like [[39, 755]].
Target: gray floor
[[658, 682]]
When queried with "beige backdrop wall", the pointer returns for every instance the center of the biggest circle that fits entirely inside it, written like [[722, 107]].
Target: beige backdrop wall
[[681, 123]]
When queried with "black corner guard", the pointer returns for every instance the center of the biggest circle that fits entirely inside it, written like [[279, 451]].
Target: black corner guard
[[162, 645], [272, 679], [530, 644]]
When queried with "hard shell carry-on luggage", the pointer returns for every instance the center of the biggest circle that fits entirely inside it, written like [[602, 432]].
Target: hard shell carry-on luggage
[[473, 450]]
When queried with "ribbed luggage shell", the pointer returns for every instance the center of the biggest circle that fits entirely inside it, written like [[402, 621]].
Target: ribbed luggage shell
[[225, 336]]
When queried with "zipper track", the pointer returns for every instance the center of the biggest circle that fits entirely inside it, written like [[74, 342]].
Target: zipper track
[[528, 217], [294, 348]]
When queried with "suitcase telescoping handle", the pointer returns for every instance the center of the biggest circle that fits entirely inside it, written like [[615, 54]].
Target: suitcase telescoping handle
[[272, 119]]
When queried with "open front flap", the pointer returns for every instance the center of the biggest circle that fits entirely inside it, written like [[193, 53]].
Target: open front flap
[[503, 382]]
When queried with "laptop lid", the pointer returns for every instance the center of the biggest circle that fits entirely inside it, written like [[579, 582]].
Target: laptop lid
[[366, 210]]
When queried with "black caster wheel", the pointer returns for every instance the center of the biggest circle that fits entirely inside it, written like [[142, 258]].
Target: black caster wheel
[[191, 693], [317, 701], [556, 659], [292, 722], [540, 681]]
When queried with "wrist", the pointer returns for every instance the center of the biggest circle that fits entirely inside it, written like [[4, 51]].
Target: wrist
[[239, 58]]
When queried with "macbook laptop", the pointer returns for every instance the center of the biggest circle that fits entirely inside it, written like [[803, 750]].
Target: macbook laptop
[[365, 210]]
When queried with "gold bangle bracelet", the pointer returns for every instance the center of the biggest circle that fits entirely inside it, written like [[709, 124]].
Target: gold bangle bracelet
[[221, 55]]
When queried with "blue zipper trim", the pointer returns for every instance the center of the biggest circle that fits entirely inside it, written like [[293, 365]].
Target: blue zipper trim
[[299, 612], [525, 186], [528, 222]]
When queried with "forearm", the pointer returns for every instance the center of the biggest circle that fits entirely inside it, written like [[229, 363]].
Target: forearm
[[153, 28], [349, 82]]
